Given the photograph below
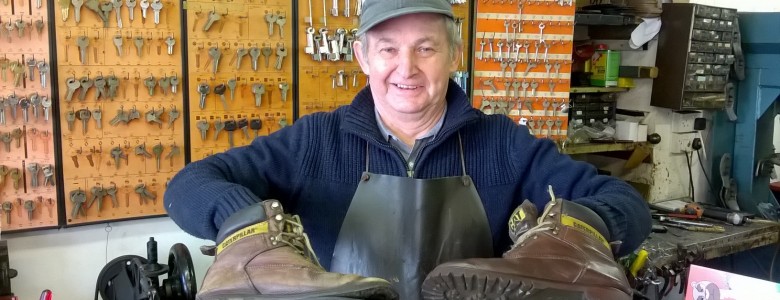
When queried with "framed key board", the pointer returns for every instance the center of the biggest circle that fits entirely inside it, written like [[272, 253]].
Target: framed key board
[[239, 72], [119, 67], [27, 156], [522, 62], [328, 72]]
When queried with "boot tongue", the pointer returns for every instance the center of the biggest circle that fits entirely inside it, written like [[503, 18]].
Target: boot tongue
[[522, 219]]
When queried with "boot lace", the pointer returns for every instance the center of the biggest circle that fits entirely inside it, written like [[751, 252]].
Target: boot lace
[[292, 235]]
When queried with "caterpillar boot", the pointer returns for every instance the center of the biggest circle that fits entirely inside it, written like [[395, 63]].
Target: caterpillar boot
[[562, 255], [261, 253]]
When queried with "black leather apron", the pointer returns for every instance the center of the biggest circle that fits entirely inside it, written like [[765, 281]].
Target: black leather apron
[[401, 228]]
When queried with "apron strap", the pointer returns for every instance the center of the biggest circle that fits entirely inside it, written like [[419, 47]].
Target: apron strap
[[462, 159], [366, 156]]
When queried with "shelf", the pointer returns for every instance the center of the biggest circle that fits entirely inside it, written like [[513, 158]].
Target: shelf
[[595, 89], [600, 147]]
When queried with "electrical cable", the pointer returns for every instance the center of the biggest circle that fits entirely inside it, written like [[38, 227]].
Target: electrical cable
[[691, 190], [709, 182]]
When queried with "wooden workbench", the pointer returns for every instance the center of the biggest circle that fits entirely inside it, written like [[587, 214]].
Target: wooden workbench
[[662, 247]]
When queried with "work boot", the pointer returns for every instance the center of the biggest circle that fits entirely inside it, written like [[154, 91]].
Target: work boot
[[564, 256], [261, 253]]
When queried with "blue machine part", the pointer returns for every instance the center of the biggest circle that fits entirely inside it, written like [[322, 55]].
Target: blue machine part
[[750, 139]]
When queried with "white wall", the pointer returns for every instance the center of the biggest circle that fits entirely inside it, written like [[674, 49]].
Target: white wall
[[68, 261]]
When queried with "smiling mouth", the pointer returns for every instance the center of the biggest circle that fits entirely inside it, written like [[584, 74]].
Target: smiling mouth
[[406, 87]]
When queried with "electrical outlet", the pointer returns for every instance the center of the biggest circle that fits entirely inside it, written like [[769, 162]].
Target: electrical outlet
[[682, 142]]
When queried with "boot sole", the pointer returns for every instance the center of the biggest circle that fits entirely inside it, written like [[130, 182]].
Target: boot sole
[[343, 293], [456, 283]]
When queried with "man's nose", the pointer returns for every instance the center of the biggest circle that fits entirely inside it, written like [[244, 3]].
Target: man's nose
[[407, 63]]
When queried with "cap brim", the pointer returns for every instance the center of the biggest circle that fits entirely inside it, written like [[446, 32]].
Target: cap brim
[[402, 12]]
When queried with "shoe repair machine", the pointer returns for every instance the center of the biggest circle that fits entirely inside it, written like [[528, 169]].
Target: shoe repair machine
[[132, 277]]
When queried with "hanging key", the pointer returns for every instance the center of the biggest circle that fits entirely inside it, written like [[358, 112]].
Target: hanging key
[[258, 89], [117, 154], [85, 84], [557, 67], [230, 127], [17, 135], [106, 8], [280, 21], [529, 68], [164, 83], [12, 102], [144, 6], [231, 84], [281, 52], [240, 53], [131, 7], [169, 42], [76, 10], [156, 7], [24, 104], [100, 87], [545, 106], [140, 150], [270, 18], [489, 82], [243, 124], [43, 69], [219, 90], [284, 86], [46, 104], [118, 43], [31, 63], [6, 138], [203, 127], [82, 42], [113, 85], [256, 124], [118, 10], [97, 114], [215, 54], [84, 115], [203, 90], [254, 53], [138, 41], [32, 170], [534, 85], [35, 101], [173, 114], [150, 83], [8, 206], [210, 19], [266, 51], [174, 84], [218, 126], [29, 206], [175, 151], [158, 150]]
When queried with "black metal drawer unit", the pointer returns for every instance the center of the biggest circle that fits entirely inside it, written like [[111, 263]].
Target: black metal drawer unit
[[695, 56]]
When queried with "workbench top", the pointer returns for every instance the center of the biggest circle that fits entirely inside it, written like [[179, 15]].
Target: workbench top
[[662, 247]]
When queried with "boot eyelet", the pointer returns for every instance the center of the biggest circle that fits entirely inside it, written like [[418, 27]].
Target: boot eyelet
[[278, 217]]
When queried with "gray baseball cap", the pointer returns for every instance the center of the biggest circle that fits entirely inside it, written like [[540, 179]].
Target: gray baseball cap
[[378, 11]]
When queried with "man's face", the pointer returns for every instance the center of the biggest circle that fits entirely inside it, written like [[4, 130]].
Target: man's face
[[408, 63]]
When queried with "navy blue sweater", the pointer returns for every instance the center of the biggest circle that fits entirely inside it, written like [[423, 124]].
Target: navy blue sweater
[[313, 168]]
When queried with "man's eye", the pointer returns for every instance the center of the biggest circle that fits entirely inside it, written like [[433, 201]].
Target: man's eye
[[426, 49], [387, 50]]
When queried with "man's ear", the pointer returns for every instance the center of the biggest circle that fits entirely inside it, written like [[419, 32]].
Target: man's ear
[[456, 58], [357, 50]]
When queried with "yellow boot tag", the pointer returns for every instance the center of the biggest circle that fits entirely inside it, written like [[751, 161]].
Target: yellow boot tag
[[245, 232]]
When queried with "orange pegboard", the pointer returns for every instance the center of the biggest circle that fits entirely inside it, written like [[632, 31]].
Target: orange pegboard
[[522, 62], [120, 105], [329, 81], [27, 161], [253, 73]]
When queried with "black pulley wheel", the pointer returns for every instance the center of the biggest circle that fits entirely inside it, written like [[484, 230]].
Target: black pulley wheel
[[180, 284]]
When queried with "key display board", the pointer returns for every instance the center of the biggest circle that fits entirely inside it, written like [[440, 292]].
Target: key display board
[[119, 67], [28, 192], [328, 71], [240, 72], [522, 62]]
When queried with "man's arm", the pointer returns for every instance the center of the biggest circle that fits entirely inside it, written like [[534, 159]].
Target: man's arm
[[541, 164], [206, 192]]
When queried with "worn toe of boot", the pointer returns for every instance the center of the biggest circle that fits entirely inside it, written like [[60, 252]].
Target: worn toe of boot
[[497, 278]]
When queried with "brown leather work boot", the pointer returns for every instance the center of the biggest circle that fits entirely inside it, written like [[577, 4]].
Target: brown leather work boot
[[264, 254], [565, 256]]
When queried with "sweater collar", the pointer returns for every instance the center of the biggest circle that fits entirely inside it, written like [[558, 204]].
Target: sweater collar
[[361, 120]]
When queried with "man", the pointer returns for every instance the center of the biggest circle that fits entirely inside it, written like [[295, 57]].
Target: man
[[407, 177]]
